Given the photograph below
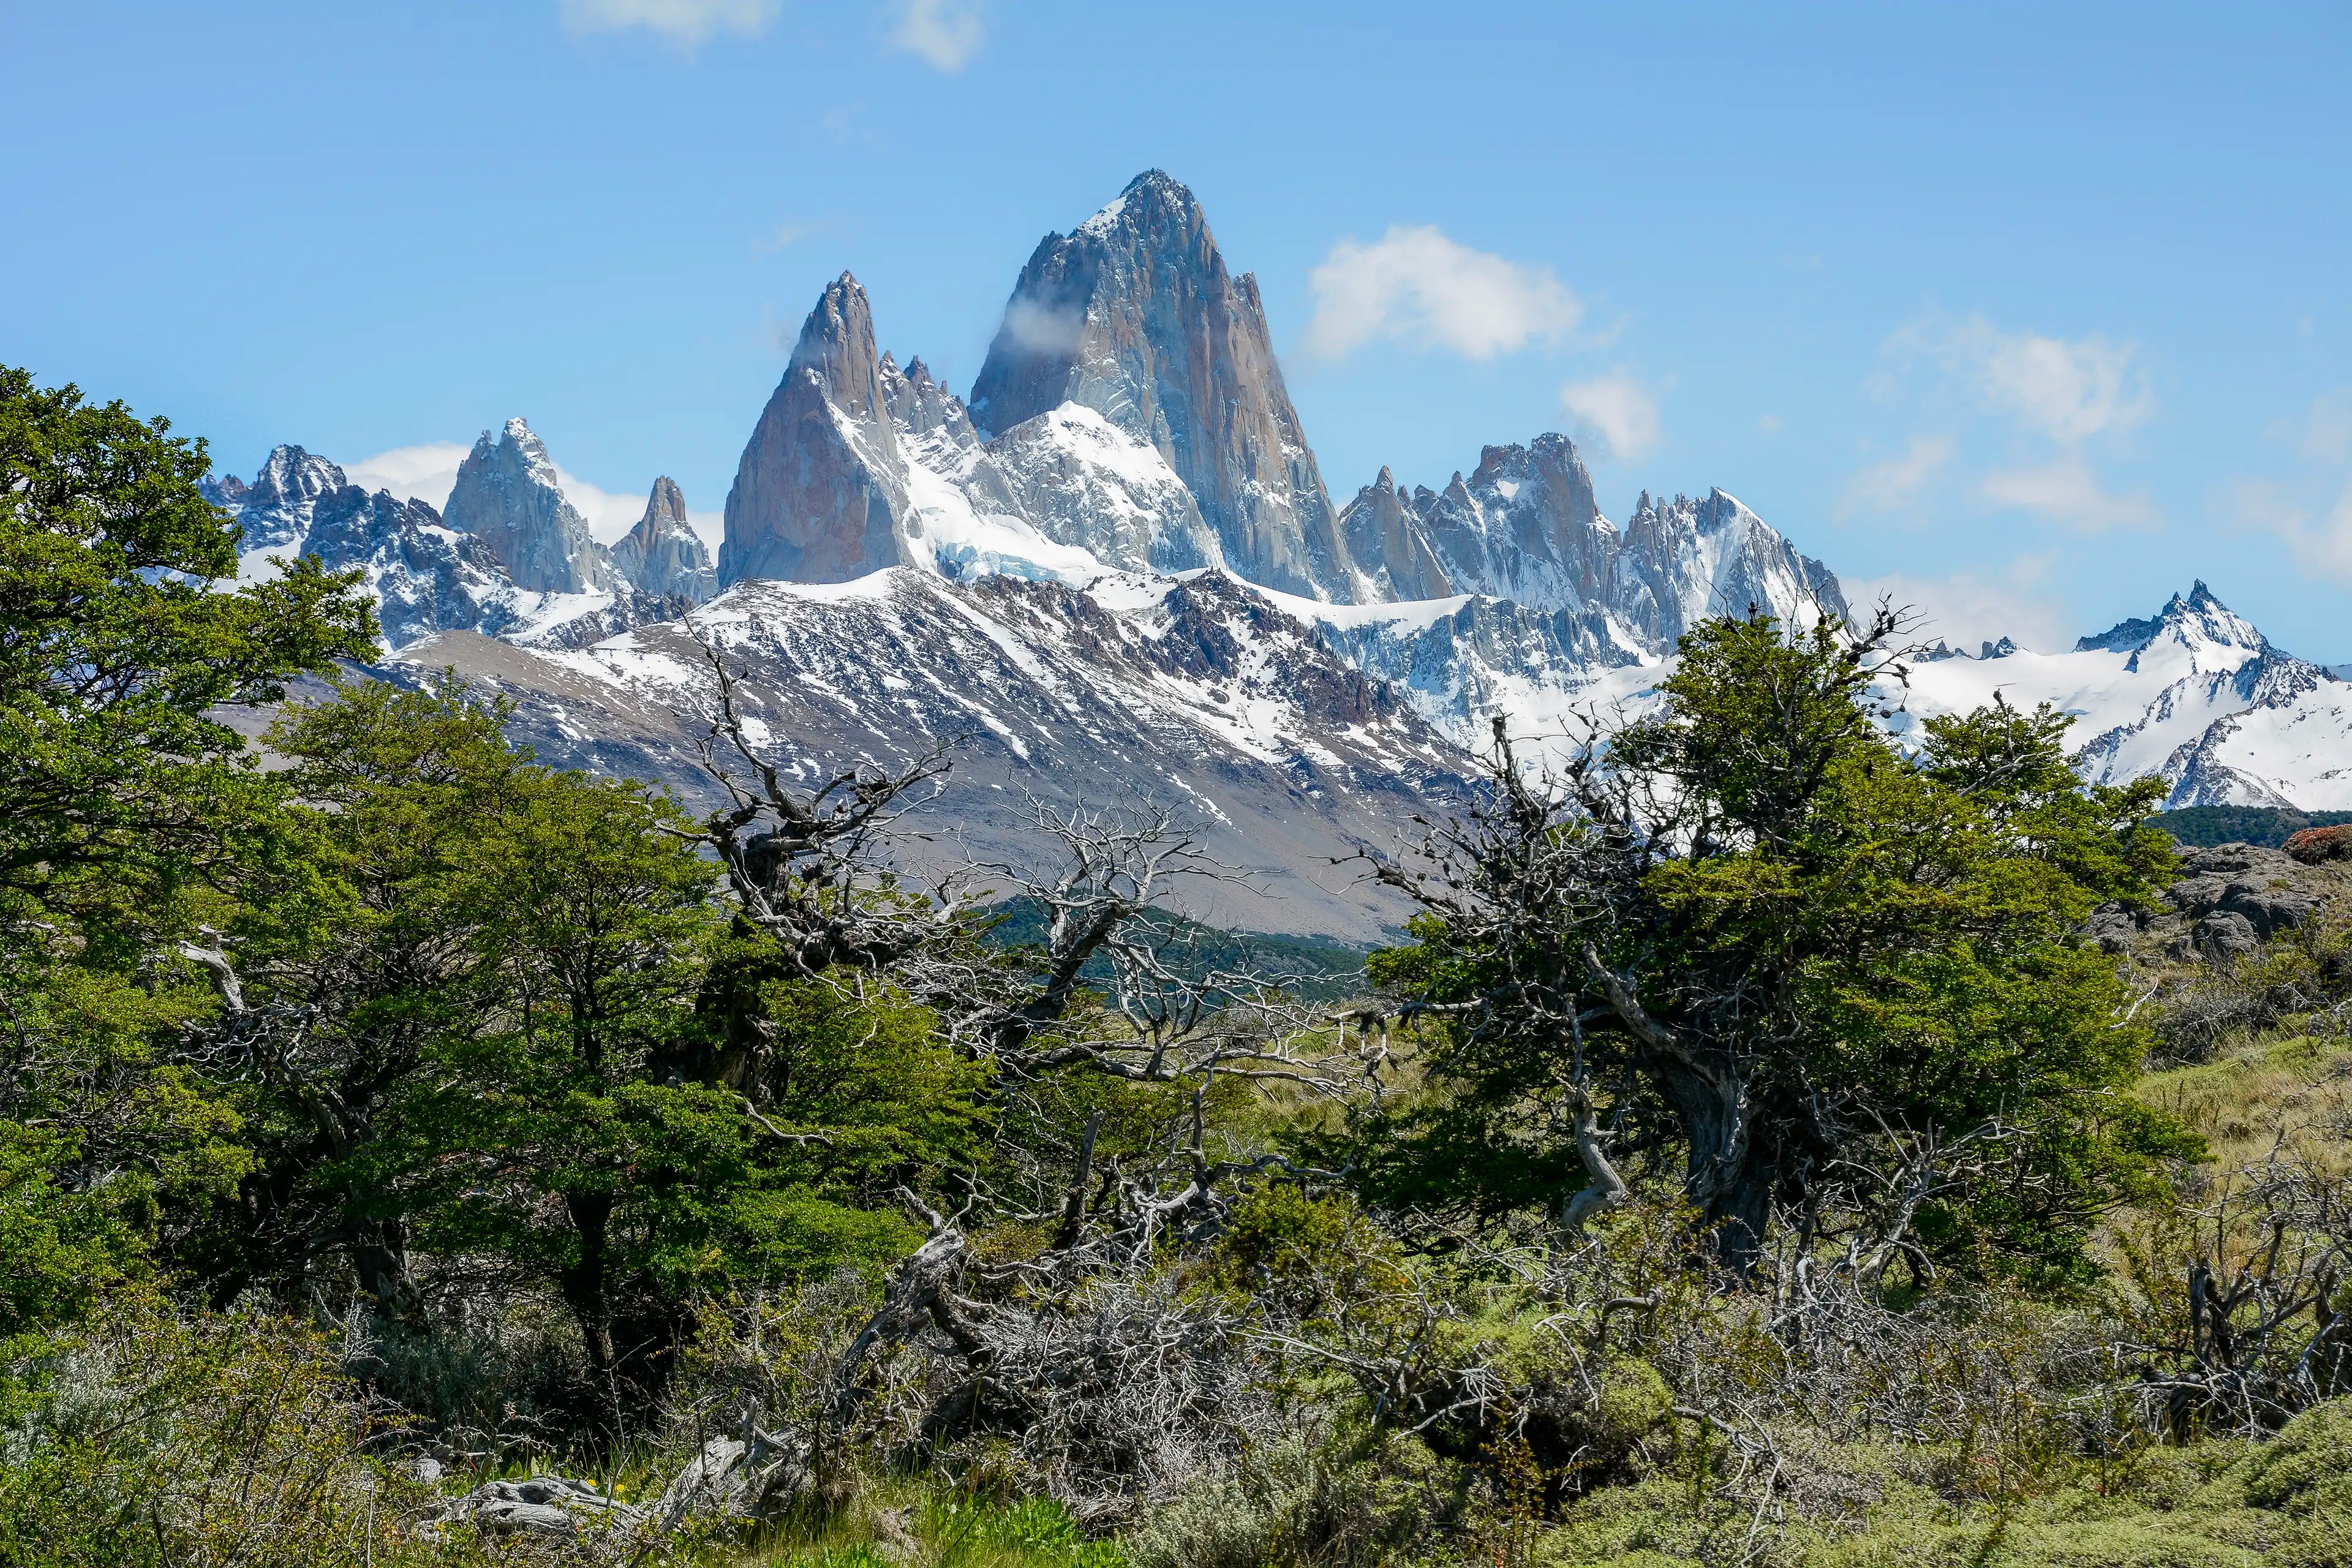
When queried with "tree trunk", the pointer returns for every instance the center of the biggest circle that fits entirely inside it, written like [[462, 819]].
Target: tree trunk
[[1724, 1176], [585, 1284]]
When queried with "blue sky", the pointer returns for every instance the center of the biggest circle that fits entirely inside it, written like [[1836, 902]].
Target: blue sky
[[2031, 313]]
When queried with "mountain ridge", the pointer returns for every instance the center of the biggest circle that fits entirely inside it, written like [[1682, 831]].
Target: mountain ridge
[[1066, 573]]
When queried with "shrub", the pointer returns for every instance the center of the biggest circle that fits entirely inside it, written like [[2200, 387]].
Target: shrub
[[154, 1439]]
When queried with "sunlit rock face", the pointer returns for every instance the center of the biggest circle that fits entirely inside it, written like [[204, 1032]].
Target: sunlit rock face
[[662, 555], [508, 496], [1134, 316], [820, 495]]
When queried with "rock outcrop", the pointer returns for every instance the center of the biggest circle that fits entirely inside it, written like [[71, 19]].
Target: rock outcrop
[[1134, 316], [425, 578], [662, 555], [508, 496], [820, 495]]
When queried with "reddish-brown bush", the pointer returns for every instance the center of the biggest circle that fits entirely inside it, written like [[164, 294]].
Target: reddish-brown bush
[[2314, 845]]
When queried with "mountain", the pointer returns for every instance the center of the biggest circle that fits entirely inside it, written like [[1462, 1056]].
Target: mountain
[[1115, 577], [428, 576], [275, 511], [1134, 315], [508, 496], [662, 555], [1524, 527], [820, 495], [2194, 695]]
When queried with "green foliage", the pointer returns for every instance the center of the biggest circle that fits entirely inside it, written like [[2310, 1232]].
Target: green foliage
[[125, 802], [1864, 937], [158, 1441], [121, 786], [2268, 825]]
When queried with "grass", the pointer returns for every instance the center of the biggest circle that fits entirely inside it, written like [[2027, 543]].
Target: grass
[[2294, 1092], [906, 1523]]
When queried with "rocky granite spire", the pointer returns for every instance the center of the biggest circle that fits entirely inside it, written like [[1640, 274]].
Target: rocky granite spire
[[506, 493], [820, 495], [1523, 526], [1134, 316], [1391, 552], [1685, 560], [661, 554]]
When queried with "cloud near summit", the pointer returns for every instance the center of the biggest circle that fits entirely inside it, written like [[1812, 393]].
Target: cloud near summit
[[1613, 416], [1415, 286]]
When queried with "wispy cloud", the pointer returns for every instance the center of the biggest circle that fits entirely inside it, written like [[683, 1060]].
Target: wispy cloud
[[1416, 286], [2327, 429], [2067, 389], [2063, 398], [686, 23], [785, 233], [1970, 609], [1894, 487], [1613, 416], [2312, 513], [945, 33], [2066, 492]]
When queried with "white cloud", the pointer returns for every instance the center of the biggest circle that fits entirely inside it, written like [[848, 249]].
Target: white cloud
[[2066, 492], [1416, 286], [1613, 416], [1968, 609], [1884, 489], [2328, 432], [686, 23], [784, 235], [2313, 516], [427, 473], [421, 473], [1041, 329], [946, 33], [2068, 389]]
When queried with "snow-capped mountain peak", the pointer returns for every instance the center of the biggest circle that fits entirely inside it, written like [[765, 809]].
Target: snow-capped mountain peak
[[2210, 634], [2194, 695]]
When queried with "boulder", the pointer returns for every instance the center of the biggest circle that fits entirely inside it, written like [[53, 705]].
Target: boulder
[[2269, 910], [549, 1507], [2233, 860], [2112, 926], [2225, 936]]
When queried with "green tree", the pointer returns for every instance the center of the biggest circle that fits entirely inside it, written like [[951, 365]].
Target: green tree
[[124, 798], [119, 782], [559, 1137], [1754, 934], [359, 943]]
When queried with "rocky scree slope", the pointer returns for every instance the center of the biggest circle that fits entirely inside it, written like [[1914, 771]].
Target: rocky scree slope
[[1194, 694]]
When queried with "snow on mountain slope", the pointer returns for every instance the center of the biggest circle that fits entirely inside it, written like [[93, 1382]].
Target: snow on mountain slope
[[425, 576], [2194, 695], [1194, 693]]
